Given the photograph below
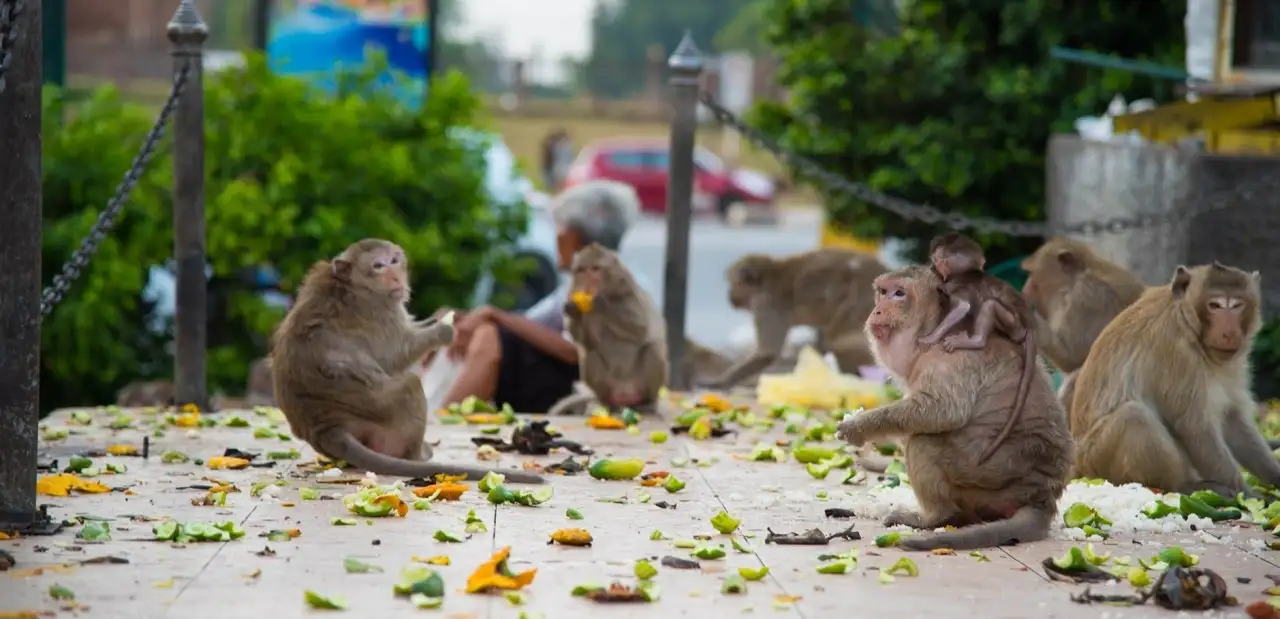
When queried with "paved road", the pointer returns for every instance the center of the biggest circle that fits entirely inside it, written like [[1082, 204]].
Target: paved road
[[710, 319]]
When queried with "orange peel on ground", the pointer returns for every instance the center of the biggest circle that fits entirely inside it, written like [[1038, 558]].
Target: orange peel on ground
[[63, 483], [122, 450], [492, 419], [715, 402], [583, 300], [494, 575], [606, 422], [449, 491], [227, 462]]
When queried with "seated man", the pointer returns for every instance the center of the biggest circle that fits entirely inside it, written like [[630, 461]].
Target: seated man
[[527, 360]]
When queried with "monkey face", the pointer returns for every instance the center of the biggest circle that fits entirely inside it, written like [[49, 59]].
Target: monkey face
[[385, 270], [1225, 302], [594, 270], [746, 280], [892, 307]]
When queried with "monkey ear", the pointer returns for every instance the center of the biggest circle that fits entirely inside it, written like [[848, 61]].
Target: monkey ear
[[1257, 277], [1218, 266], [341, 268], [1181, 280], [1068, 260]]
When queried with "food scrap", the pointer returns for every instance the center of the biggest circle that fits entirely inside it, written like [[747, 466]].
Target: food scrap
[[62, 484], [812, 537], [494, 575], [571, 537], [534, 438], [644, 591]]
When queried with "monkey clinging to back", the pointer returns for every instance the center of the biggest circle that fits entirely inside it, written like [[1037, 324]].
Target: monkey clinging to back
[[342, 362], [992, 304]]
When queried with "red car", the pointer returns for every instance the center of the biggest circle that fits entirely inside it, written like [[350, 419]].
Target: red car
[[642, 163]]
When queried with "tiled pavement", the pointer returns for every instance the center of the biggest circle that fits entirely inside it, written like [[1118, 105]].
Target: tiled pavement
[[227, 580]]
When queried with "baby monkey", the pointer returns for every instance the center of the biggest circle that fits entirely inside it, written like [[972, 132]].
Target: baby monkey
[[342, 365], [992, 303]]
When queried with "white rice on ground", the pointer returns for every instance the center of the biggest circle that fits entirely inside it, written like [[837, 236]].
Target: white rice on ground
[[1122, 505]]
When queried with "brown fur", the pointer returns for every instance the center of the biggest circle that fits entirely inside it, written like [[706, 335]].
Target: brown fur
[[1163, 398], [622, 348], [146, 393], [991, 303], [1075, 293], [342, 366], [824, 289], [952, 402], [702, 364]]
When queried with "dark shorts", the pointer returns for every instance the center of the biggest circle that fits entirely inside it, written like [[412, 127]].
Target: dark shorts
[[530, 380]]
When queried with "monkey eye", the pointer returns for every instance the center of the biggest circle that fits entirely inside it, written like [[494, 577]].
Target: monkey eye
[[899, 293], [379, 265], [395, 259]]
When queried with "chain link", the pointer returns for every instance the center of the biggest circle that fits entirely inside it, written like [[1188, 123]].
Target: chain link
[[10, 11], [107, 218], [956, 221]]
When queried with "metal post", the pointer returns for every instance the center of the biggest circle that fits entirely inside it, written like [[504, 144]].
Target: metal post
[[686, 68], [21, 74], [188, 32]]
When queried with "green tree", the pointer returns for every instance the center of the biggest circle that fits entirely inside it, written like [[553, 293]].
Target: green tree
[[955, 107], [623, 30], [293, 176]]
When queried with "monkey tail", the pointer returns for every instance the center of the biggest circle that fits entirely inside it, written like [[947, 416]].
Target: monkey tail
[[1019, 400], [340, 444], [1028, 524], [569, 404]]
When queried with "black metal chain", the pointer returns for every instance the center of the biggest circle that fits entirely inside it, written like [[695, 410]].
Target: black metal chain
[[957, 221], [10, 11], [107, 218]]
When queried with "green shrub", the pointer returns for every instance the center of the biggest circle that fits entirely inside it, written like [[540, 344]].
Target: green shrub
[[293, 176], [953, 105], [1266, 360]]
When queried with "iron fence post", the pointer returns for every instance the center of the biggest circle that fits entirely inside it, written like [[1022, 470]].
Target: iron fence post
[[188, 32], [686, 69], [20, 245]]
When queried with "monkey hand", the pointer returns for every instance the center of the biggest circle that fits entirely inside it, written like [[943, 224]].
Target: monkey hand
[[851, 431]]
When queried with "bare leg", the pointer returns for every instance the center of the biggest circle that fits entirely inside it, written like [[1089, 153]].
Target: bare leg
[[479, 375], [983, 323], [958, 310]]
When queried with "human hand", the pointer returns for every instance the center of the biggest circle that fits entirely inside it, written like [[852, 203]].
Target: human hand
[[464, 327]]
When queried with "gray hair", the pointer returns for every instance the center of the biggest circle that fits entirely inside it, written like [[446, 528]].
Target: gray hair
[[600, 210]]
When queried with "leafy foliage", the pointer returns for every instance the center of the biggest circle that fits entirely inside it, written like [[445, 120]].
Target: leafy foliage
[[955, 106], [1266, 360], [292, 176]]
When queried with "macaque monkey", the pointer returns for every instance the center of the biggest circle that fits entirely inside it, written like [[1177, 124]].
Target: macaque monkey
[[1074, 293], [991, 303], [621, 337], [702, 364], [824, 289], [342, 365], [146, 393], [1163, 398], [952, 403]]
